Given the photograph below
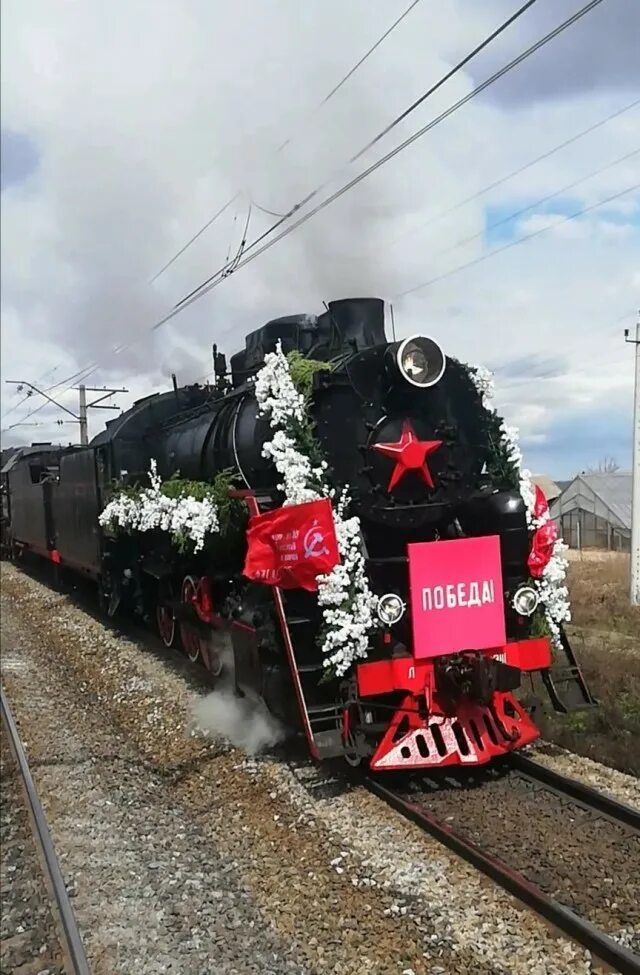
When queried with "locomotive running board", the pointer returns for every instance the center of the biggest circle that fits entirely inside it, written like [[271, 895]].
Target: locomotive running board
[[254, 509]]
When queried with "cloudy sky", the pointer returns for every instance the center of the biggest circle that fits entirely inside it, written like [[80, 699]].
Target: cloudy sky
[[126, 126]]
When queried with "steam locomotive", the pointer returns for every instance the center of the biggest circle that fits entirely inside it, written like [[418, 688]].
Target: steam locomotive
[[401, 424]]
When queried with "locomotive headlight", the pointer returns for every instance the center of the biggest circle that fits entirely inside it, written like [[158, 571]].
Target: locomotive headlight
[[421, 361], [525, 600], [390, 609]]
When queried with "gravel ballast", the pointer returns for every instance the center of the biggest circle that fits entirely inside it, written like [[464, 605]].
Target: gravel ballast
[[582, 860], [624, 788], [29, 941], [150, 892], [339, 883]]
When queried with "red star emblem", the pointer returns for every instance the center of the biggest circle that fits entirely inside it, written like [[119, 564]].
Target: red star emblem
[[410, 454]]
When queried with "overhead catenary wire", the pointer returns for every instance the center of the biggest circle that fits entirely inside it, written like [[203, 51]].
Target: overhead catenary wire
[[324, 101], [206, 286], [518, 240], [318, 189], [89, 369], [243, 241], [195, 237], [576, 363], [443, 80], [29, 394], [216, 278], [271, 213], [359, 63], [224, 271], [540, 202], [16, 406], [508, 176]]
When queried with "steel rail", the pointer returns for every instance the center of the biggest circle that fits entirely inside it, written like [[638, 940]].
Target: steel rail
[[71, 935], [585, 795], [601, 945]]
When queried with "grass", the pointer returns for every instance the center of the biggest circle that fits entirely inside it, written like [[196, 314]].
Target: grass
[[606, 638], [599, 590]]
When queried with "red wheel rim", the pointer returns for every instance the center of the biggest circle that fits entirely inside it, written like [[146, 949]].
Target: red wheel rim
[[166, 624], [189, 634]]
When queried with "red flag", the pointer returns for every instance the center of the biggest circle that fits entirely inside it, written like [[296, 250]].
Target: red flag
[[290, 547]]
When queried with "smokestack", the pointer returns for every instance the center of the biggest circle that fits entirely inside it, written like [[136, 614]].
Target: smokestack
[[360, 320]]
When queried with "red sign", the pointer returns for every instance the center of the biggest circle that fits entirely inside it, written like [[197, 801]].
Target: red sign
[[457, 600], [290, 547]]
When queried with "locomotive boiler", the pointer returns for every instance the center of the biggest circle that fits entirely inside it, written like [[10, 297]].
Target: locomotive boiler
[[403, 427]]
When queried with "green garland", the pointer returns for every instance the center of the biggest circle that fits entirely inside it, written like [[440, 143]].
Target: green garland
[[231, 511], [303, 370]]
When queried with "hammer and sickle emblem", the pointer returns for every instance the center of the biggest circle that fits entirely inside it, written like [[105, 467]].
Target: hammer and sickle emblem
[[314, 543]]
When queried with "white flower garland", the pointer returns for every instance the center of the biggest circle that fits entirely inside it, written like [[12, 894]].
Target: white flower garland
[[183, 516], [551, 586], [347, 602]]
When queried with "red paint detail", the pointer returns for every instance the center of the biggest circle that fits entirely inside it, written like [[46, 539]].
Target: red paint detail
[[346, 724], [410, 454], [447, 613], [236, 625], [291, 546], [188, 634], [409, 674], [254, 510], [397, 674], [526, 654], [386, 637], [166, 625], [54, 555], [200, 599], [474, 735]]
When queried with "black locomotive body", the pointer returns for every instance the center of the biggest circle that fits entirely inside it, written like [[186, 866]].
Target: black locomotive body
[[394, 710]]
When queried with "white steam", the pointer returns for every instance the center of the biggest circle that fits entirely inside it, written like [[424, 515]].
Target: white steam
[[243, 721]]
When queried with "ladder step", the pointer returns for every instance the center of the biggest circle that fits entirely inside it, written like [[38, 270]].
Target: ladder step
[[389, 560], [318, 710], [329, 743]]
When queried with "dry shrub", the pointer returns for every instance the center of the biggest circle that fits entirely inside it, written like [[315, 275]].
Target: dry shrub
[[599, 591], [606, 638], [609, 733]]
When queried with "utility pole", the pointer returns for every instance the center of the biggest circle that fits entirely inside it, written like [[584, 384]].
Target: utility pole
[[85, 407], [80, 417], [635, 490]]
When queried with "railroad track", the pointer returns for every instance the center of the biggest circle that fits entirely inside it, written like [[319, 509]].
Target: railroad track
[[581, 930], [69, 933]]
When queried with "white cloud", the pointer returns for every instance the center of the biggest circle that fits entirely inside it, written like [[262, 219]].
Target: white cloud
[[583, 228], [147, 118]]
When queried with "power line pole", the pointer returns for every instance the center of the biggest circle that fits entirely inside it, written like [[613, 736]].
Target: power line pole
[[635, 490], [82, 416], [21, 383]]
